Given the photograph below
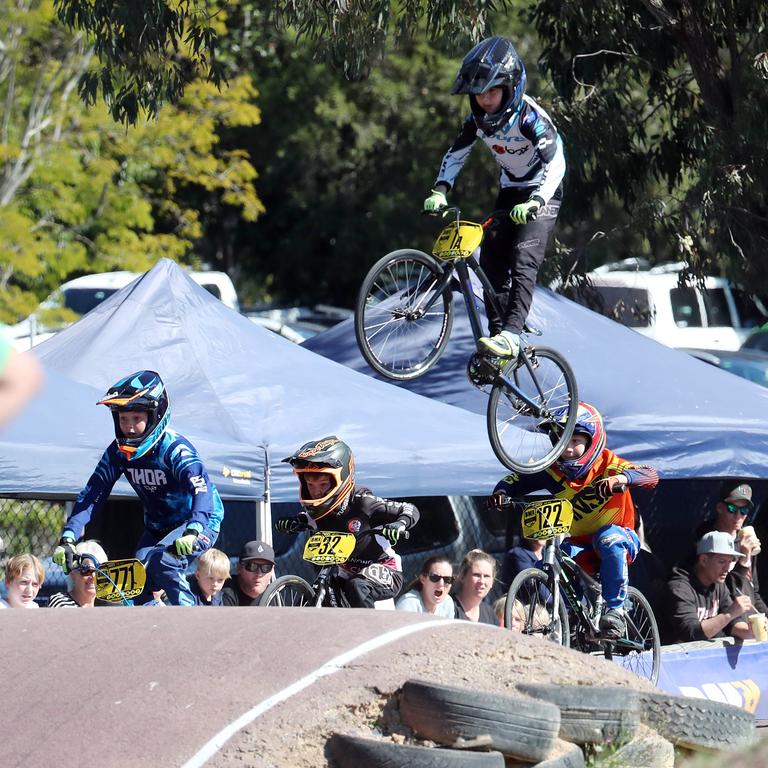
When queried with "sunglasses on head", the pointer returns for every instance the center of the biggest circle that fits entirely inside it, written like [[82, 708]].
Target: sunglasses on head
[[434, 578], [735, 510], [257, 567]]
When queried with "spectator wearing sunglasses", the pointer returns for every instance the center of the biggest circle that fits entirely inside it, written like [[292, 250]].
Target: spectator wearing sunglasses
[[255, 570], [428, 593], [734, 512], [81, 580]]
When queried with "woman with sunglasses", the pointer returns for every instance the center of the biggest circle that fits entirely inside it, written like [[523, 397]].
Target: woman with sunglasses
[[81, 580], [476, 575], [428, 593]]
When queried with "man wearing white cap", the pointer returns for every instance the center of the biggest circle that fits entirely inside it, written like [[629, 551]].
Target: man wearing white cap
[[700, 605]]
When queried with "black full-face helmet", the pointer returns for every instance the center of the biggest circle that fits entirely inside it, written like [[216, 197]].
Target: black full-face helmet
[[329, 456], [141, 391], [490, 64]]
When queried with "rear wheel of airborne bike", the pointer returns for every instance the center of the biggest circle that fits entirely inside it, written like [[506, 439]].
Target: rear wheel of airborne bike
[[530, 600], [401, 326], [288, 592], [532, 410]]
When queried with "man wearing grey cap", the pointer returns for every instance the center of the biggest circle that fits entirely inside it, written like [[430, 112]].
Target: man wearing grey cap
[[734, 512], [255, 569], [700, 605]]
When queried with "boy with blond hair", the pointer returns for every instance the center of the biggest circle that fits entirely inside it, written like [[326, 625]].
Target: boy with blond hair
[[212, 571]]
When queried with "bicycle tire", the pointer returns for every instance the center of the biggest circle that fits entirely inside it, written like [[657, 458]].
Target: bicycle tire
[[527, 588], [288, 592], [394, 342], [642, 632], [519, 438]]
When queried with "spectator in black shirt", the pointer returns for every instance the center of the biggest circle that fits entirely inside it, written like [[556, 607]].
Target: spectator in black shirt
[[700, 606], [255, 570]]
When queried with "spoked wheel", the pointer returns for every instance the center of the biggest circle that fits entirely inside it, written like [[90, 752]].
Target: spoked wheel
[[640, 649], [528, 608], [288, 592], [402, 327], [532, 410]]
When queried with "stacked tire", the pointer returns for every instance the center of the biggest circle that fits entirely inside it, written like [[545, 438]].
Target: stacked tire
[[549, 726]]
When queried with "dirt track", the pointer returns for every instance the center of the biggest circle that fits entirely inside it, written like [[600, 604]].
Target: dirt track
[[153, 686]]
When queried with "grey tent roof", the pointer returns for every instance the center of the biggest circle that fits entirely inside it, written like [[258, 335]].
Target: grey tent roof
[[662, 407], [243, 395]]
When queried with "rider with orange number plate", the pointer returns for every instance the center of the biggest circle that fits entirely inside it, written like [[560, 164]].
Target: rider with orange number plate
[[332, 502], [592, 477]]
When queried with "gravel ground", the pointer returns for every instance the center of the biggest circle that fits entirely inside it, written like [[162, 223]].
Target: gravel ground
[[362, 697]]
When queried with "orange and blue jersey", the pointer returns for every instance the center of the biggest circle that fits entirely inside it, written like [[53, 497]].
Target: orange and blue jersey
[[590, 512]]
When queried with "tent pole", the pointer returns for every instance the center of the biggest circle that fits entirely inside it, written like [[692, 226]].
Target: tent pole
[[264, 507]]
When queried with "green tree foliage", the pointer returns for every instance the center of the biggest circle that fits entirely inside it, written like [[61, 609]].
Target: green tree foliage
[[148, 51], [80, 193], [663, 105]]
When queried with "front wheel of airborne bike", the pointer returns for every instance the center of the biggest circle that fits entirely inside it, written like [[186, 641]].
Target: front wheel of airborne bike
[[533, 399], [288, 592], [529, 607], [401, 325], [640, 649]]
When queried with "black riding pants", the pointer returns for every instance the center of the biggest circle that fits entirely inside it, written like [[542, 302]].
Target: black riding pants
[[511, 256]]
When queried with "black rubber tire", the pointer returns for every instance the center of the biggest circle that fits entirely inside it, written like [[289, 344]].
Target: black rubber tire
[[357, 752], [519, 439], [590, 715], [570, 756], [288, 592], [642, 631], [525, 587], [514, 725], [697, 723], [381, 285]]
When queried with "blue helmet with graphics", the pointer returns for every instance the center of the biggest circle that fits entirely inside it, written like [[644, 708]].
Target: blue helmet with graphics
[[492, 63], [141, 391], [589, 423]]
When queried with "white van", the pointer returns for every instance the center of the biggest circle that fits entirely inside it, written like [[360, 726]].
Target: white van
[[82, 294], [651, 301]]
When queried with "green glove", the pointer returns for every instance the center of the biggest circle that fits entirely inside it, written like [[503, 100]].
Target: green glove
[[525, 212], [392, 532], [60, 553], [435, 201], [185, 544]]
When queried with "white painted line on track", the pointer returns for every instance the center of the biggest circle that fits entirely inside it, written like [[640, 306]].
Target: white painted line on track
[[334, 665]]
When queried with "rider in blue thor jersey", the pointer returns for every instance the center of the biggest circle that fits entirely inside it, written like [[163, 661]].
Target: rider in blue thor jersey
[[182, 508]]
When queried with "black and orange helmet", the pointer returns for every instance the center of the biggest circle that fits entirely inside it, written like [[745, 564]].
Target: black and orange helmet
[[329, 456]]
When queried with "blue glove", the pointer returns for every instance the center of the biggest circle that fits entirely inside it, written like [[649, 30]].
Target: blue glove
[[392, 532], [60, 553], [291, 524], [524, 212], [185, 544], [436, 201]]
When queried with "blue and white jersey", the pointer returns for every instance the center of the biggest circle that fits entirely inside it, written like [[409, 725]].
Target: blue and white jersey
[[528, 149], [170, 480]]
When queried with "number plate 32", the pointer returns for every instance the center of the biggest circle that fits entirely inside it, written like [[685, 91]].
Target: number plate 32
[[329, 547], [547, 519]]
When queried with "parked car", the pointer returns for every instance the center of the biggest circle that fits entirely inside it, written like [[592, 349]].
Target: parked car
[[297, 324], [82, 294], [651, 301], [757, 341], [748, 363]]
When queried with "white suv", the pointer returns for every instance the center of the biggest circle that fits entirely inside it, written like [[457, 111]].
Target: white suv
[[82, 294], [653, 303]]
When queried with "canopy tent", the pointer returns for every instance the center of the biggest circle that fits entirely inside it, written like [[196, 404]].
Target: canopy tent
[[661, 406], [244, 396]]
